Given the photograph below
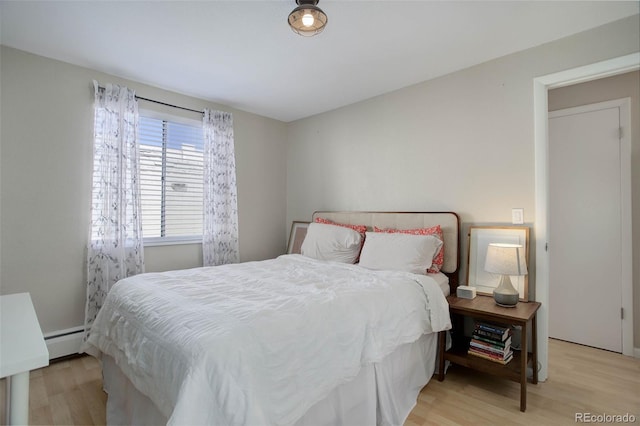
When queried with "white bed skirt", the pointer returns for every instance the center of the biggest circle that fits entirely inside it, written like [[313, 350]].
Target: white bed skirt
[[381, 394]]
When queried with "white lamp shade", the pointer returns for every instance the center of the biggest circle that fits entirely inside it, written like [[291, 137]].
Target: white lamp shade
[[506, 259]]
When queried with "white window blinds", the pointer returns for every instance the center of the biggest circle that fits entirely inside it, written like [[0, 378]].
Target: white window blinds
[[171, 177]]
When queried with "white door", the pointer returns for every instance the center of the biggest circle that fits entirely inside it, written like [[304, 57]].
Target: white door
[[585, 227]]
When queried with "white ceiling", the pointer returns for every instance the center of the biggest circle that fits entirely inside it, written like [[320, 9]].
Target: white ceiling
[[243, 54]]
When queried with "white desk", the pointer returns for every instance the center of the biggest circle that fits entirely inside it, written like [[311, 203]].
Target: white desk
[[22, 349]]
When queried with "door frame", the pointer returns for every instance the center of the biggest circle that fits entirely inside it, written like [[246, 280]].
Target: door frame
[[626, 240], [541, 85]]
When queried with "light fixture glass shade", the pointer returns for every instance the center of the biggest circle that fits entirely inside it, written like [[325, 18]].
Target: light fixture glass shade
[[307, 19], [506, 260]]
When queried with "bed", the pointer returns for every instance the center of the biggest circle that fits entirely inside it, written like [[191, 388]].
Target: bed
[[292, 340]]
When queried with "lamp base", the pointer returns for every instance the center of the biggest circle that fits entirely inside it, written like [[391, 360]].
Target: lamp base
[[506, 306], [505, 295]]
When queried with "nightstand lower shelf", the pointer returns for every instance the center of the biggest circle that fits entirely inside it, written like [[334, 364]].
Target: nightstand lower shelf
[[458, 355]]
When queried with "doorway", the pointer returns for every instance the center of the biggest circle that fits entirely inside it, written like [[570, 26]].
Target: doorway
[[588, 190], [540, 111]]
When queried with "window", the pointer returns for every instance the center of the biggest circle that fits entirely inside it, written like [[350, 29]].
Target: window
[[171, 156]]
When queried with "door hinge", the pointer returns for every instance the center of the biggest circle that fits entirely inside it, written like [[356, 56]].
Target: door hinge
[[546, 246], [621, 313], [620, 132]]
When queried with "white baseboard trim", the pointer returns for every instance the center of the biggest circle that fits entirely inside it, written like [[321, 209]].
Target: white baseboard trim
[[636, 353], [64, 342]]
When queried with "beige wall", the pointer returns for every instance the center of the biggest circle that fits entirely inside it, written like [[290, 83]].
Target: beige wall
[[46, 163], [462, 142], [606, 89], [0, 176]]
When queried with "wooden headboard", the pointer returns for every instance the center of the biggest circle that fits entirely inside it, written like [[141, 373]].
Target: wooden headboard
[[448, 221]]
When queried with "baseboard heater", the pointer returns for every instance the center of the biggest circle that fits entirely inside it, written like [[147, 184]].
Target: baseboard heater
[[64, 342]]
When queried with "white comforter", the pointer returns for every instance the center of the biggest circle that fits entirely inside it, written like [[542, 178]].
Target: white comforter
[[259, 343]]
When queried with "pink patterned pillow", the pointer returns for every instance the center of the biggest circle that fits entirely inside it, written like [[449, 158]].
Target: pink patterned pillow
[[436, 231], [362, 229]]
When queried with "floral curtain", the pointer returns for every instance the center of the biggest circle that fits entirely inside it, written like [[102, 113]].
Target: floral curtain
[[220, 228], [115, 242]]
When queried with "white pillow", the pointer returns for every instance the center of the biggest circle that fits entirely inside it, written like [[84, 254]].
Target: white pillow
[[399, 252], [331, 242]]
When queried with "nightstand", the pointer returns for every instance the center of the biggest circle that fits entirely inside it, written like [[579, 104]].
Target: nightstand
[[484, 308]]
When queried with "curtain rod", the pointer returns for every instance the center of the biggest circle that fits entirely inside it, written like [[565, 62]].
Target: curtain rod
[[162, 103]]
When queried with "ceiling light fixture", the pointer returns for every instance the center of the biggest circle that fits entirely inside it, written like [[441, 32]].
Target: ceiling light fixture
[[307, 19]]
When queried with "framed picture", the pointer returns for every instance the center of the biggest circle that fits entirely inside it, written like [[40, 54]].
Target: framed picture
[[296, 237], [479, 239]]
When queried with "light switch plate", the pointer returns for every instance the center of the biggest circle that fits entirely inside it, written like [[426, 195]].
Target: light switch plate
[[517, 216]]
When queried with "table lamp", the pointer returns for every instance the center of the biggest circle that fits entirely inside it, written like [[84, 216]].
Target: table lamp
[[506, 260]]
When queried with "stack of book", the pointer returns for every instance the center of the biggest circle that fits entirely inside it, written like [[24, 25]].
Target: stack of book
[[491, 342]]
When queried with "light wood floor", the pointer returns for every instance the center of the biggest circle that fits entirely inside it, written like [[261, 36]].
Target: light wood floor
[[581, 379], [65, 393]]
